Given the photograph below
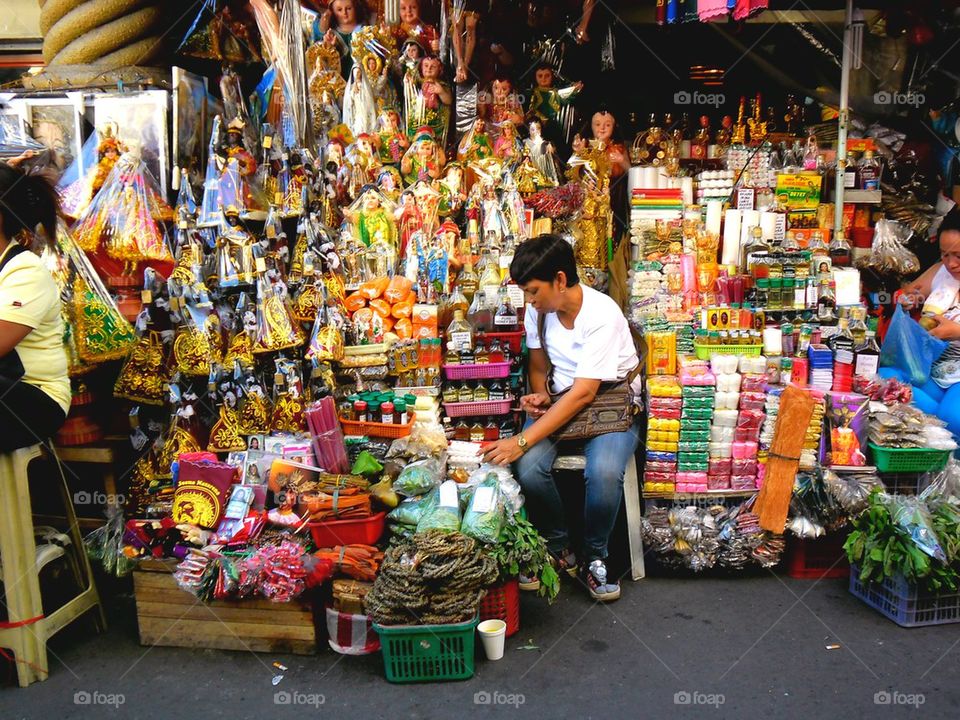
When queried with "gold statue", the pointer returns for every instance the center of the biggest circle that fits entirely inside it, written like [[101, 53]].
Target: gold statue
[[591, 168]]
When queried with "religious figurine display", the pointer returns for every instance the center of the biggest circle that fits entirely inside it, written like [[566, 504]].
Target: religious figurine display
[[233, 154], [359, 104], [507, 145], [591, 167], [335, 26], [548, 104], [79, 194], [392, 141], [427, 101], [499, 104], [476, 143], [424, 158], [389, 182], [452, 191], [371, 217], [543, 155], [602, 125], [412, 27]]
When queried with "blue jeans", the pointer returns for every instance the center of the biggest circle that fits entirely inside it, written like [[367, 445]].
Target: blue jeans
[[607, 457], [932, 399]]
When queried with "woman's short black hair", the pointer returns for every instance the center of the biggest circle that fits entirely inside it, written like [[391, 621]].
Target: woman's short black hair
[[541, 258], [951, 223], [27, 201]]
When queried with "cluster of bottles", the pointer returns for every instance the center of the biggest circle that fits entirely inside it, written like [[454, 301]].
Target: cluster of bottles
[[378, 407], [862, 174], [479, 429], [477, 391], [416, 363]]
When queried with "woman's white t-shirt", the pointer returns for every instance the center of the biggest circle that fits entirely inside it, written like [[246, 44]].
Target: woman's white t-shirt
[[599, 347]]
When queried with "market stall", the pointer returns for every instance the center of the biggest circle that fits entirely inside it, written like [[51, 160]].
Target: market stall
[[299, 290]]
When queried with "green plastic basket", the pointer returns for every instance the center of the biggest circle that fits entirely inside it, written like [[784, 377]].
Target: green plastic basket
[[906, 460], [705, 351], [427, 653]]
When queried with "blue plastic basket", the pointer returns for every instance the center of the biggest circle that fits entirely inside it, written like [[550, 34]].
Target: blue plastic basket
[[904, 603]]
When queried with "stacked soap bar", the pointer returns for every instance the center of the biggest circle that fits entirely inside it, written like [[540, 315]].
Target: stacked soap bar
[[750, 418], [664, 405], [725, 369], [699, 399]]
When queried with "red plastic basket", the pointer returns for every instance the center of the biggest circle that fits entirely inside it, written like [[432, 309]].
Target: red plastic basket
[[817, 558], [513, 340], [502, 602], [486, 371], [356, 531], [473, 409], [384, 430]]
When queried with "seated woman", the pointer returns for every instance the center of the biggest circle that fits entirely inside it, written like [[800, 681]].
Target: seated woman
[[34, 388], [588, 342], [940, 395]]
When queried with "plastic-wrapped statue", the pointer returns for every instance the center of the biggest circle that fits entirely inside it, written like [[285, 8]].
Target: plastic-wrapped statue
[[428, 102], [507, 145], [424, 158], [359, 104], [452, 192], [602, 125], [412, 27], [548, 102], [500, 103], [476, 143], [372, 218], [542, 153], [335, 26], [590, 166], [389, 182], [392, 141]]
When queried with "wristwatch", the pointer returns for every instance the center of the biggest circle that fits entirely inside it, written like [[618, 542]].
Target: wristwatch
[[522, 443]]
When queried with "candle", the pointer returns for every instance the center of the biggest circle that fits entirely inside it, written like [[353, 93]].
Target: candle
[[731, 237], [714, 213], [772, 341], [751, 218], [768, 224], [686, 187]]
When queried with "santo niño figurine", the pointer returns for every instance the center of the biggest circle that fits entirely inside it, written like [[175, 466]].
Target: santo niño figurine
[[546, 101], [428, 102], [391, 140], [412, 27], [476, 143], [424, 159], [335, 27], [602, 126]]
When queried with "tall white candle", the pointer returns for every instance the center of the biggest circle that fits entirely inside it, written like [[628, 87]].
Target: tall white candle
[[714, 215], [731, 237]]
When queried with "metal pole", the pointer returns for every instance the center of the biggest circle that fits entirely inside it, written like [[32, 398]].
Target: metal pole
[[844, 116]]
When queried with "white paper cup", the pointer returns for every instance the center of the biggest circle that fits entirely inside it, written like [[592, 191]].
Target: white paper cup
[[493, 633]]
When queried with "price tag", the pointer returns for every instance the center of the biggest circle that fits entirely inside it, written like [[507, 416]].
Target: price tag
[[271, 230], [261, 264], [483, 499], [448, 494], [745, 198], [146, 297], [515, 293], [267, 142]]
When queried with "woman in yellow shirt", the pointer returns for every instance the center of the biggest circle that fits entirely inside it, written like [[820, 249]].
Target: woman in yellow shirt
[[34, 387]]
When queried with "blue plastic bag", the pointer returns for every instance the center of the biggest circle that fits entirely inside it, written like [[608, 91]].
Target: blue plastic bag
[[910, 348]]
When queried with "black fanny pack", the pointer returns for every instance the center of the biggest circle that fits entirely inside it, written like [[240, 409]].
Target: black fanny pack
[[11, 368]]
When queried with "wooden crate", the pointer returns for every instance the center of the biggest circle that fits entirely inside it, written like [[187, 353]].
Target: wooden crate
[[170, 617]]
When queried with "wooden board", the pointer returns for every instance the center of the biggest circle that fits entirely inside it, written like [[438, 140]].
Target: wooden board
[[170, 617]]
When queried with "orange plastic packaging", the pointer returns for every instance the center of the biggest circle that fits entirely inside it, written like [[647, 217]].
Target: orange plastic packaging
[[388, 324], [363, 315], [373, 289], [401, 310], [424, 314], [354, 301], [398, 289], [404, 329], [411, 298], [381, 307], [424, 331]]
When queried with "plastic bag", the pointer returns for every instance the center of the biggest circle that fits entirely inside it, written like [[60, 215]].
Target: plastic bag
[[942, 485], [419, 477], [411, 510], [913, 517], [444, 512], [910, 348], [105, 545], [889, 254], [484, 517]]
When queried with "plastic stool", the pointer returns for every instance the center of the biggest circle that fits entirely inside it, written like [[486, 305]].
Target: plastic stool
[[631, 500], [29, 629]]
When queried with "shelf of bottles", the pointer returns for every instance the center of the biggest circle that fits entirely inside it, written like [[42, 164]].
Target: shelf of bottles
[[483, 357]]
